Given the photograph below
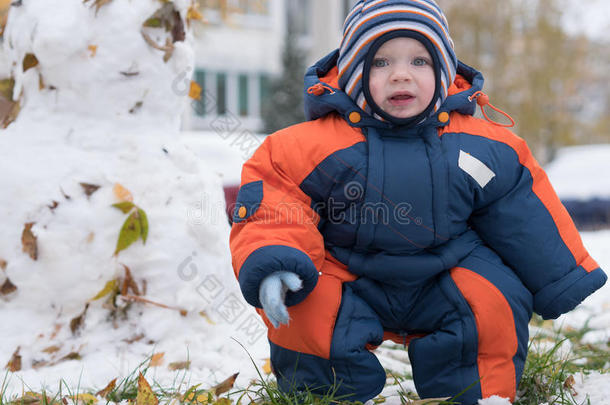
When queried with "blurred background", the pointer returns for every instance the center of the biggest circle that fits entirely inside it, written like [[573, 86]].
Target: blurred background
[[546, 63]]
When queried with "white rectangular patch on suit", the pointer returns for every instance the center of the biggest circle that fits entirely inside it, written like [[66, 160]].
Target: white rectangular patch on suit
[[475, 168]]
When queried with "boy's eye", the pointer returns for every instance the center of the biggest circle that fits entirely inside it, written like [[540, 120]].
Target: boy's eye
[[380, 63], [420, 62]]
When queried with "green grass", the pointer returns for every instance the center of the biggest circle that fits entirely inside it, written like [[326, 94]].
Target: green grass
[[546, 379]]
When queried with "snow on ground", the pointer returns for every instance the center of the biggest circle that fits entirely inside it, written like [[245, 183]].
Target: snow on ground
[[581, 172]]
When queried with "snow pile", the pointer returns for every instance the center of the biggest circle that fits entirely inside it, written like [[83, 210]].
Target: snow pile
[[580, 172], [102, 107]]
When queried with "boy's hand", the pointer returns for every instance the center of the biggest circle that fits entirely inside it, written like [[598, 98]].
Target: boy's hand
[[272, 294]]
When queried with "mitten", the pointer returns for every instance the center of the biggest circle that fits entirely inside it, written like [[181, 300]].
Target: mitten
[[272, 295]]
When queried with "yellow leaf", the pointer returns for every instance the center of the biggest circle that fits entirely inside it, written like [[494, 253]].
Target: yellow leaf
[[122, 193], [86, 398], [130, 232], [195, 91], [92, 50], [194, 14], [143, 224], [111, 286], [156, 359], [223, 401], [124, 206], [267, 366], [6, 88], [145, 394]]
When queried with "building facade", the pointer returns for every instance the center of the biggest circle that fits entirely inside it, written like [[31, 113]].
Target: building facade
[[239, 50]]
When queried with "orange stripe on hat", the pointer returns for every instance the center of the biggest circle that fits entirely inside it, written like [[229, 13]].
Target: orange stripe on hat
[[497, 335], [359, 50]]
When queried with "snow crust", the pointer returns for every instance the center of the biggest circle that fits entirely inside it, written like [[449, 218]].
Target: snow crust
[[79, 128]]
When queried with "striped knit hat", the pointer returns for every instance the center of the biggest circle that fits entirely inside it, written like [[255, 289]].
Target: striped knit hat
[[372, 19]]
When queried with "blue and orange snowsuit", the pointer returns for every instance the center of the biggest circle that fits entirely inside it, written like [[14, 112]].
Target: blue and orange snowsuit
[[358, 209]]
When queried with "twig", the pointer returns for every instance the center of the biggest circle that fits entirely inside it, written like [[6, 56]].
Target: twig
[[135, 298]]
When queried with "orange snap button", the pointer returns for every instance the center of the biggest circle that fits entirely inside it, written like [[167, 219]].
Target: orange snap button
[[355, 117], [242, 212], [443, 117]]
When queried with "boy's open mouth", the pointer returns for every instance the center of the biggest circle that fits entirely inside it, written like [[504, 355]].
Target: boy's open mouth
[[401, 98]]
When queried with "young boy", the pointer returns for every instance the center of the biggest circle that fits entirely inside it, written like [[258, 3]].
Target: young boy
[[393, 213]]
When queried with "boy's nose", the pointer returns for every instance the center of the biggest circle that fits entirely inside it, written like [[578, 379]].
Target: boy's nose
[[401, 73]]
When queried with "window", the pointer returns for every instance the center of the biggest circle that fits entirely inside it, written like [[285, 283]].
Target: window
[[200, 79], [221, 93], [265, 90], [243, 95]]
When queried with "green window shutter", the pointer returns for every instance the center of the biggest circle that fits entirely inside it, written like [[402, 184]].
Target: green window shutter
[[264, 88], [221, 93], [200, 79], [243, 95]]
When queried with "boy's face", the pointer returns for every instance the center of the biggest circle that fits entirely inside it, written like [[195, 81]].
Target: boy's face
[[401, 80]]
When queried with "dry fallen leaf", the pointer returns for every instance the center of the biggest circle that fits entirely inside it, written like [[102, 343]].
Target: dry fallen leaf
[[40, 82], [70, 356], [90, 237], [129, 283], [14, 364], [8, 287], [89, 188], [145, 394], [53, 205], [179, 365], [224, 386], [98, 4], [29, 61], [569, 384], [3, 264], [205, 315], [106, 390], [156, 359], [8, 119], [51, 349], [77, 323], [121, 193], [29, 241], [93, 50]]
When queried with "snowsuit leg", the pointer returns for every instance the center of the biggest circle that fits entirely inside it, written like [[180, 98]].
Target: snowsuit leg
[[325, 343], [482, 341]]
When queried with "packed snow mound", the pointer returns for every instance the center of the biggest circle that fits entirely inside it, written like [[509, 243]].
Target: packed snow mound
[[580, 172], [95, 63], [57, 250]]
